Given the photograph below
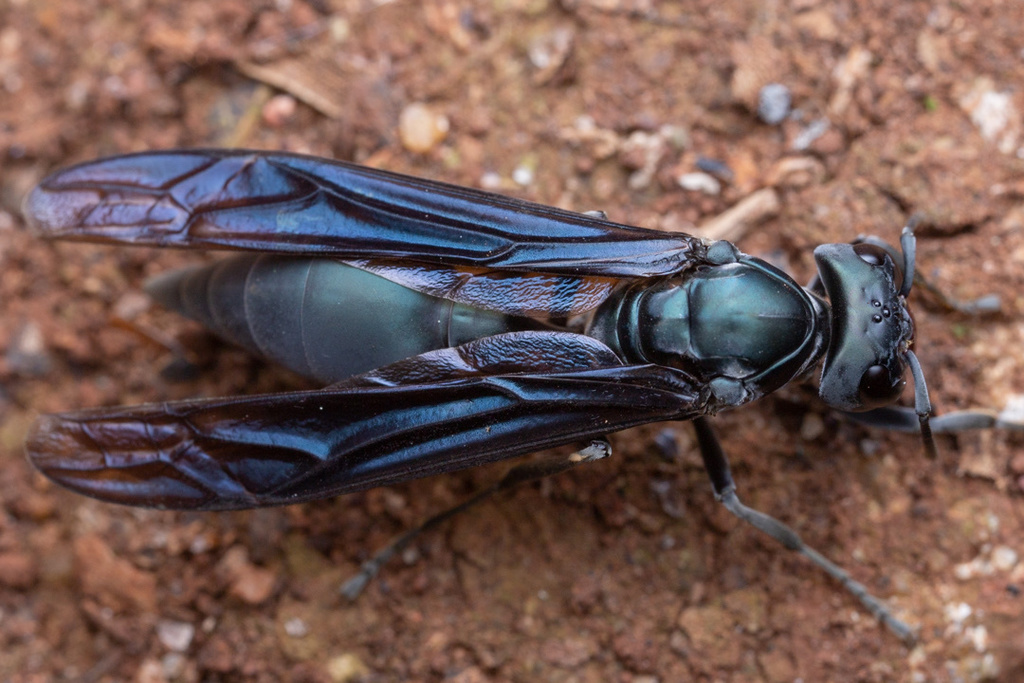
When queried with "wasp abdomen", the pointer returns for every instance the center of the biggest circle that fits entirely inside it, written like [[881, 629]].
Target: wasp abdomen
[[319, 317]]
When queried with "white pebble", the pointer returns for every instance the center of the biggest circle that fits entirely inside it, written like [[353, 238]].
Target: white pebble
[[420, 128], [699, 182], [175, 635], [1004, 558]]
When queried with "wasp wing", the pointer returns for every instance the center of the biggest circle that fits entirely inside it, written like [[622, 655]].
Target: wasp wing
[[277, 202], [488, 400]]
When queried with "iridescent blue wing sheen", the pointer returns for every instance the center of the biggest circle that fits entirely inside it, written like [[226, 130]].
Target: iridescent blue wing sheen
[[277, 202], [488, 400]]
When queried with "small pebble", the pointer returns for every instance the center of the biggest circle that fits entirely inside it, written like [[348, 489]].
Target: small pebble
[[249, 583], [421, 129], [812, 427], [551, 50], [699, 182], [1004, 558], [958, 613], [977, 636], [339, 29], [773, 103], [668, 449], [278, 110], [490, 181], [345, 668], [522, 175], [176, 636], [718, 169], [808, 135], [296, 628], [992, 114], [253, 585], [27, 354]]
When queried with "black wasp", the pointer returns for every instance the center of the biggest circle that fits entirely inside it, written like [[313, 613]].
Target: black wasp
[[451, 327]]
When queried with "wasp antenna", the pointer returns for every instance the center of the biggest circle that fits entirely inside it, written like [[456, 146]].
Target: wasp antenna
[[922, 404], [909, 246]]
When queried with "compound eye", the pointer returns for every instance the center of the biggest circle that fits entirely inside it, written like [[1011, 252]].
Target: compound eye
[[880, 386], [871, 253], [877, 256]]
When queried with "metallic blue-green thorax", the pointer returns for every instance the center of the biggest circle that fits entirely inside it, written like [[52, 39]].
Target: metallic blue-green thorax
[[738, 324]]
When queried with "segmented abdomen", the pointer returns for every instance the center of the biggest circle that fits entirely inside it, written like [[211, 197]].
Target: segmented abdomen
[[321, 318]]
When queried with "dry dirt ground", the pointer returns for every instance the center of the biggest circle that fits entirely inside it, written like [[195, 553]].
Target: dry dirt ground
[[623, 571]]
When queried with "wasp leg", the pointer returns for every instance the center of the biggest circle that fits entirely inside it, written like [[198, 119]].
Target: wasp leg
[[717, 467], [901, 419], [988, 304], [597, 450]]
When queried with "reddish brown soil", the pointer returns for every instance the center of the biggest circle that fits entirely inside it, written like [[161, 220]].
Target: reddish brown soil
[[591, 576]]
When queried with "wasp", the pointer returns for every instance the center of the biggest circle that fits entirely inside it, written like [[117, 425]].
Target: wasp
[[451, 327]]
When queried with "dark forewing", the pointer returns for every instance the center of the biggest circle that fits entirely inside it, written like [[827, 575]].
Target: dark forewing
[[276, 202], [497, 398], [539, 295]]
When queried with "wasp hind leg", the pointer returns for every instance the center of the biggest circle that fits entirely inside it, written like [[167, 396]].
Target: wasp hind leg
[[530, 471], [717, 467]]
